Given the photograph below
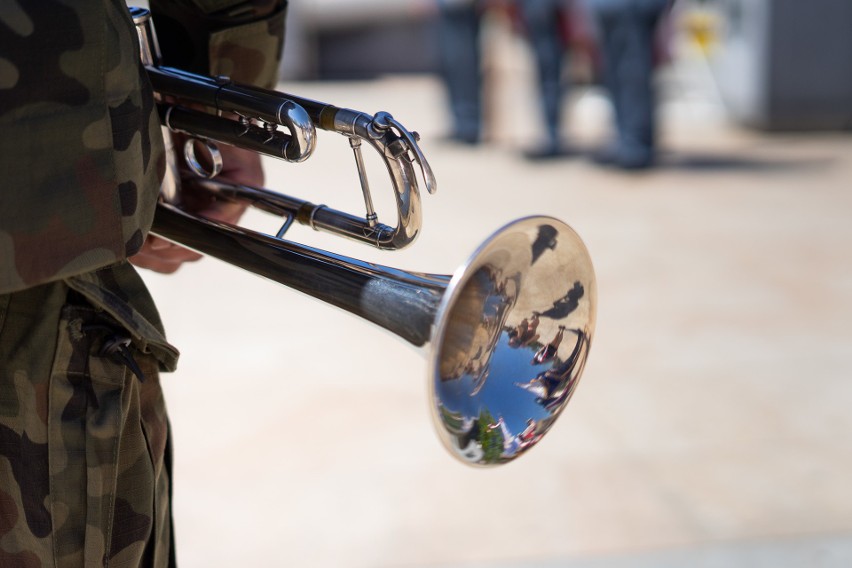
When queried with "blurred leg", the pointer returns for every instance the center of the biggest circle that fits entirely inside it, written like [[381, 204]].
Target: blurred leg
[[636, 89], [460, 54], [542, 21], [612, 41], [628, 44]]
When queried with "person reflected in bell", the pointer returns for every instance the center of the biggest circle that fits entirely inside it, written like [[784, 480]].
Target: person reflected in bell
[[544, 240], [531, 333], [495, 425], [558, 381], [465, 438], [511, 333], [560, 393], [548, 387], [557, 377], [547, 352], [525, 333], [551, 380], [567, 303], [552, 386], [528, 435]]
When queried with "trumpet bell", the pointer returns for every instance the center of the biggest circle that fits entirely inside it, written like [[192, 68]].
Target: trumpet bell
[[511, 338]]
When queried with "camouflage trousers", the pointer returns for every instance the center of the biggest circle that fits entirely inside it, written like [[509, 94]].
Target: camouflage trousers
[[84, 477]]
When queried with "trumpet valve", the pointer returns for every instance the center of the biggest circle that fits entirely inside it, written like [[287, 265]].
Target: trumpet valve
[[271, 129]]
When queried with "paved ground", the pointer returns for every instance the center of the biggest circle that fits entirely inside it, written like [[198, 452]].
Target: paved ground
[[712, 426]]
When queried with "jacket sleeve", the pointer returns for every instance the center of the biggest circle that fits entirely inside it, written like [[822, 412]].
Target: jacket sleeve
[[241, 39]]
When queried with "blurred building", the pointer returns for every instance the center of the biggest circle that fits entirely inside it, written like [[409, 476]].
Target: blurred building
[[779, 64], [785, 64], [341, 39]]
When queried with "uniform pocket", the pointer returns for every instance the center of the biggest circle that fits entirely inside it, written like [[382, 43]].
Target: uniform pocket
[[102, 474]]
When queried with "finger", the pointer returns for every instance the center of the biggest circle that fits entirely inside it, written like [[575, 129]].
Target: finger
[[241, 166], [162, 256], [154, 263], [158, 263], [155, 243], [227, 211], [167, 251]]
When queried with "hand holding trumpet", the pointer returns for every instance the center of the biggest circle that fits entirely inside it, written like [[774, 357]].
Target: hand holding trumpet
[[241, 167]]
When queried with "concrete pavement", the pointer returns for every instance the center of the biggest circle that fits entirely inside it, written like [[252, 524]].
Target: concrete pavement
[[712, 425]]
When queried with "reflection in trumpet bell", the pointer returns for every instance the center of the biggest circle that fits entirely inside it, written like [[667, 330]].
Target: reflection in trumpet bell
[[532, 279], [557, 383], [479, 314]]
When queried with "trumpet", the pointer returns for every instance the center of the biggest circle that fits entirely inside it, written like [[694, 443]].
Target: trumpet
[[506, 336], [259, 113]]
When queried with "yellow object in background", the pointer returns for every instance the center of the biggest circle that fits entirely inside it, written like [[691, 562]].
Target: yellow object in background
[[702, 27]]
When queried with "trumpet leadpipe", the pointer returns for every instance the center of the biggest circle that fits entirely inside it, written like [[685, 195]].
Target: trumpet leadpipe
[[404, 303]]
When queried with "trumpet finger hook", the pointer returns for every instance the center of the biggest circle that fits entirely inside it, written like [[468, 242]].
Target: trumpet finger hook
[[384, 120]]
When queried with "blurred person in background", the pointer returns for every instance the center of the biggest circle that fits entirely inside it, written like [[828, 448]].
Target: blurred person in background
[[461, 67], [543, 23], [628, 43], [84, 461]]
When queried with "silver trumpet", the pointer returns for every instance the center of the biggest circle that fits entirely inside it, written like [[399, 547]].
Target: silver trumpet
[[506, 336], [259, 112]]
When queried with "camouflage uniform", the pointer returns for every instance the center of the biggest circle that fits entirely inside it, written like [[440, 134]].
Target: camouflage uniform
[[84, 479]]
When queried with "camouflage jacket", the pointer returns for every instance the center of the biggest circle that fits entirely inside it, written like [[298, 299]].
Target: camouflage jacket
[[81, 153]]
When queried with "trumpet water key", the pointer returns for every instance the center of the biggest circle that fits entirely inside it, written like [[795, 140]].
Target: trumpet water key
[[506, 335]]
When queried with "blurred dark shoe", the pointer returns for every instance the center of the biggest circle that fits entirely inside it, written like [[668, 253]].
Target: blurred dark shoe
[[548, 152], [459, 138], [605, 156], [625, 159]]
